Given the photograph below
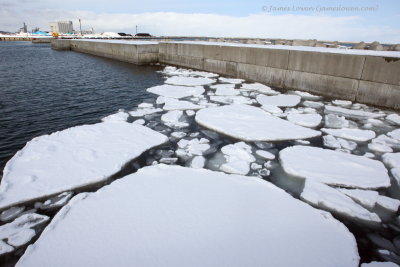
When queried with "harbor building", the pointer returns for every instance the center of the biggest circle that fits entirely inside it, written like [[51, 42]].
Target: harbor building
[[61, 26]]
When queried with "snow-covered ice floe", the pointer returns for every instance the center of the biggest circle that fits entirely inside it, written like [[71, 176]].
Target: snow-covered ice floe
[[333, 167], [73, 158], [175, 216], [250, 123], [260, 88], [327, 198], [21, 230], [176, 91], [238, 157], [305, 120], [189, 81], [351, 113], [279, 100], [175, 104], [117, 117], [351, 134]]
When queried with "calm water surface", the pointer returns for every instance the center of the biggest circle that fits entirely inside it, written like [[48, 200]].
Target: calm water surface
[[44, 90]]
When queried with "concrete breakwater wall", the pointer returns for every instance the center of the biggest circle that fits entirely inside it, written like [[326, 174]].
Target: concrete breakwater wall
[[362, 76], [137, 52]]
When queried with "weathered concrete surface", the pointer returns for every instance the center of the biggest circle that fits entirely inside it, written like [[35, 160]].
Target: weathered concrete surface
[[387, 95], [132, 52], [61, 44], [382, 69], [42, 40], [332, 86], [341, 65]]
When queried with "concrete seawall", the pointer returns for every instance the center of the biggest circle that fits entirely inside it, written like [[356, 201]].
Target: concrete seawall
[[137, 52], [368, 77]]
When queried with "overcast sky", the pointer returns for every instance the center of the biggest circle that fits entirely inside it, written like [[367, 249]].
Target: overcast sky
[[301, 19]]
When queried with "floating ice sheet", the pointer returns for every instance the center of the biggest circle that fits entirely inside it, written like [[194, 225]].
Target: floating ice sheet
[[260, 88], [238, 158], [177, 216], [330, 199], [189, 81], [279, 100], [351, 134], [176, 91], [305, 120], [20, 231], [72, 158], [175, 104], [334, 168], [250, 123], [117, 117], [351, 113]]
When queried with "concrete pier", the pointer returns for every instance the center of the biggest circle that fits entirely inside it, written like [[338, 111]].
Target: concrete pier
[[136, 52], [370, 77], [42, 40], [15, 38]]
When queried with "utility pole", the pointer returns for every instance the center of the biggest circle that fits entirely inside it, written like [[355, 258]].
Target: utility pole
[[80, 26], [136, 29]]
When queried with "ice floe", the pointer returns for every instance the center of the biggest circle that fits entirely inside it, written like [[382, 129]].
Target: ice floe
[[392, 160], [55, 202], [305, 95], [189, 81], [174, 119], [230, 80], [231, 99], [379, 264], [21, 230], [351, 113], [227, 91], [272, 109], [334, 168], [265, 154], [279, 100], [5, 248], [313, 104], [11, 213], [395, 134], [238, 158], [342, 103], [175, 104], [117, 117], [338, 143], [388, 203], [250, 123], [394, 119], [260, 88], [176, 91], [351, 134], [73, 158], [329, 199], [306, 120], [190, 148], [366, 198], [178, 215], [337, 122], [379, 147], [140, 112]]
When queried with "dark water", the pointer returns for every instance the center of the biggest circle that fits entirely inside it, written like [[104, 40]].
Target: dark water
[[44, 90]]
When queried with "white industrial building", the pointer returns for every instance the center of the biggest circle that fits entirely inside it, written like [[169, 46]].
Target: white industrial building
[[61, 26]]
